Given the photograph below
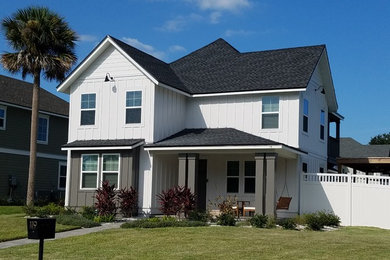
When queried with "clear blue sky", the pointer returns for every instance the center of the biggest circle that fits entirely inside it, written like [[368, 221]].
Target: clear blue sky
[[356, 33]]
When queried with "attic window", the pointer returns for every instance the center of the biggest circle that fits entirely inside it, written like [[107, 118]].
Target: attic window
[[133, 107]]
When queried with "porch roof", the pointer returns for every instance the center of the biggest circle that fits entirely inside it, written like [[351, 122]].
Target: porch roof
[[103, 144], [216, 137]]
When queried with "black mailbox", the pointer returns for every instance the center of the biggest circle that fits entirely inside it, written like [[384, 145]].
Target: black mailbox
[[41, 228]]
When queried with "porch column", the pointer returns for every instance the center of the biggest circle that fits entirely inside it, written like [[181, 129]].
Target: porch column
[[259, 185], [181, 181], [270, 203], [192, 171]]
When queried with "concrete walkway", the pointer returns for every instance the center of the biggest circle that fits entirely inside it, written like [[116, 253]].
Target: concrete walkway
[[71, 233]]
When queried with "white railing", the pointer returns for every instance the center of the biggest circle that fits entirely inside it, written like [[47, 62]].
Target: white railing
[[345, 178]]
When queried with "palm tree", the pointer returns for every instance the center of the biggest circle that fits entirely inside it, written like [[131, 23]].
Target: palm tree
[[43, 44]]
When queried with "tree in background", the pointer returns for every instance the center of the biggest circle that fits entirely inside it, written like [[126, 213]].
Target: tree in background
[[43, 44], [380, 139]]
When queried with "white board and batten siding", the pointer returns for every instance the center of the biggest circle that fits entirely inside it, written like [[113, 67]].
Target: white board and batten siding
[[243, 112], [111, 100], [169, 113]]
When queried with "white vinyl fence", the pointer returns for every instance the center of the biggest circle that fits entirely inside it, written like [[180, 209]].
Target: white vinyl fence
[[359, 200]]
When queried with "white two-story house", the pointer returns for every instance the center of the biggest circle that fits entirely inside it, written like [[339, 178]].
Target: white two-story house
[[218, 121]]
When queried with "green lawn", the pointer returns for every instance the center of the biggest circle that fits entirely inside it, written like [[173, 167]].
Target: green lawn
[[13, 224], [214, 243]]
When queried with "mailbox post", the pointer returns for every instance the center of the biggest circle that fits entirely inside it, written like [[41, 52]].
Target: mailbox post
[[41, 228]]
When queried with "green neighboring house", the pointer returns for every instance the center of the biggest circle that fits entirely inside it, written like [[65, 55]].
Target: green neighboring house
[[15, 119]]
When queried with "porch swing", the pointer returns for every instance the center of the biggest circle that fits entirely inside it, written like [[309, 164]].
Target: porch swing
[[284, 202]]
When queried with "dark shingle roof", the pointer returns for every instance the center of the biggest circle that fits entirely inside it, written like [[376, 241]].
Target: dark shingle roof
[[103, 143], [218, 67], [350, 148], [157, 68], [19, 92], [212, 137]]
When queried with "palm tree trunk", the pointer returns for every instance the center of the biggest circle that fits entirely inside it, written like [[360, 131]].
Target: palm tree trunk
[[33, 140]]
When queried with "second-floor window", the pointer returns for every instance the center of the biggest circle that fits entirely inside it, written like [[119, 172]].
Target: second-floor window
[[133, 107], [270, 112], [88, 109], [2, 118], [322, 125], [43, 129], [305, 115]]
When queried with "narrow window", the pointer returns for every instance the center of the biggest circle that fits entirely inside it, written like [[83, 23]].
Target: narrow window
[[321, 170], [110, 170], [89, 171], [270, 112], [305, 115], [304, 167], [62, 176], [88, 108], [233, 175], [2, 118], [322, 125], [133, 107], [43, 130], [250, 177]]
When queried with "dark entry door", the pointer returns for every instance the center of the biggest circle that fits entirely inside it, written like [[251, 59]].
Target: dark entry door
[[202, 184]]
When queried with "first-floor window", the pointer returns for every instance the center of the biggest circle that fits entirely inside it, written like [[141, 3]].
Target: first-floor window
[[110, 171], [2, 118], [304, 167], [321, 169], [43, 129], [233, 176], [62, 176], [250, 177], [89, 171]]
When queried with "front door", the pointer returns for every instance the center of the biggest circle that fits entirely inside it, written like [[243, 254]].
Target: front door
[[202, 184]]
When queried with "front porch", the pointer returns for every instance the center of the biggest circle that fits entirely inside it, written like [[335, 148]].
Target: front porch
[[256, 173]]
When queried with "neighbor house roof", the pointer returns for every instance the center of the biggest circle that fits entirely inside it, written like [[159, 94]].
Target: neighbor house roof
[[18, 92], [220, 68], [200, 137], [103, 143], [350, 148]]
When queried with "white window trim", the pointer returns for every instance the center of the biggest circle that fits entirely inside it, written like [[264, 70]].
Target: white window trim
[[88, 109], [322, 111], [81, 172], [231, 177], [270, 113], [119, 169], [249, 177], [5, 118], [47, 130], [304, 115], [141, 107], [61, 163]]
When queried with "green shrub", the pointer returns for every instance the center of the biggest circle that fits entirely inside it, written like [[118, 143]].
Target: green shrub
[[271, 222], [288, 223], [313, 221], [50, 209], [53, 209], [161, 222], [226, 219], [259, 221], [329, 219], [198, 216], [76, 220], [89, 212], [300, 219], [69, 211], [104, 218]]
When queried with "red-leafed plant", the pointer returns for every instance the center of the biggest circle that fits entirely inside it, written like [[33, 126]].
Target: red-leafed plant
[[177, 200], [105, 199], [128, 199]]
